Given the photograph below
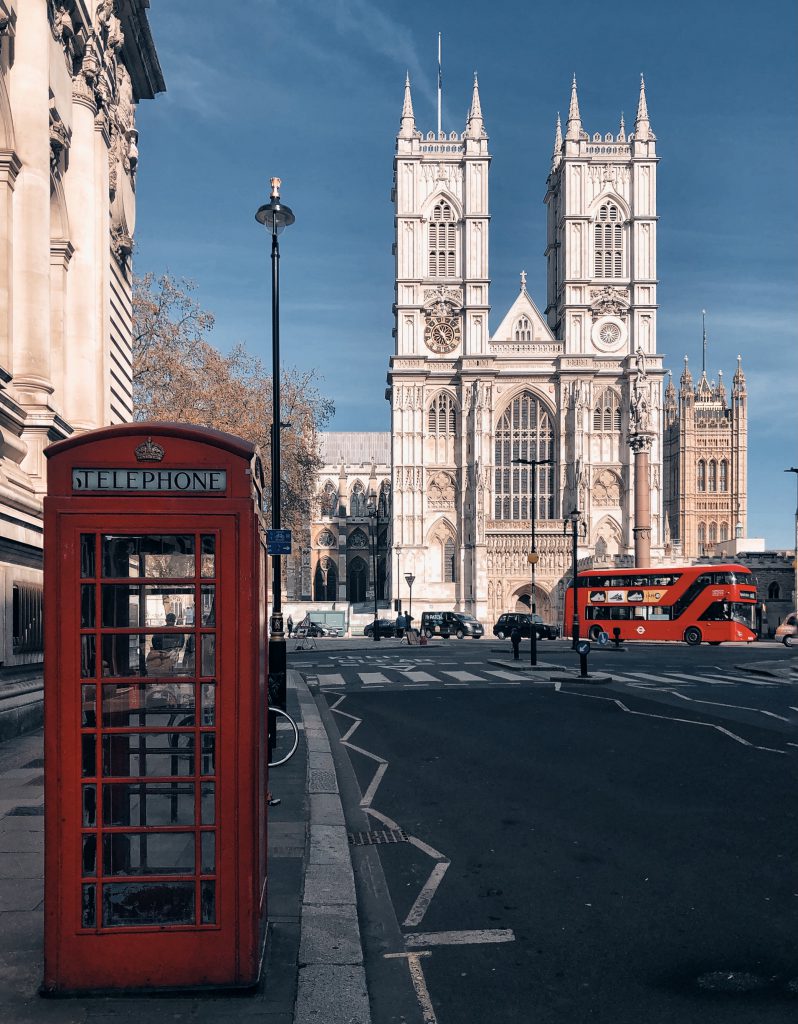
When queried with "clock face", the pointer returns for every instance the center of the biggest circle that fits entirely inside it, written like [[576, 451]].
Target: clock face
[[442, 333]]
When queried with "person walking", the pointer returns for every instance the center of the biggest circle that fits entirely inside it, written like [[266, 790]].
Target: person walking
[[290, 627], [515, 640]]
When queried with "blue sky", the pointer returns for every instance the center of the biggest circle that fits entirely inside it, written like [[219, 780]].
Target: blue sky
[[311, 91]]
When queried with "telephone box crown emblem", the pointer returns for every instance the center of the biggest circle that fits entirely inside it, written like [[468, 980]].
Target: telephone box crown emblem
[[150, 451]]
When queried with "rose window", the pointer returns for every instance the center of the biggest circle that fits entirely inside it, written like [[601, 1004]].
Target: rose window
[[610, 333]]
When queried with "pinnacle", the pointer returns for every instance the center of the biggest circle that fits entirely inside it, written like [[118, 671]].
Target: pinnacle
[[573, 128]]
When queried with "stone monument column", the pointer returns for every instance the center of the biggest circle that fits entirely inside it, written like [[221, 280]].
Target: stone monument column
[[641, 446], [641, 439]]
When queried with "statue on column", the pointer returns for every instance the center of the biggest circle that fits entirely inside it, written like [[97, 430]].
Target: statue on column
[[639, 409]]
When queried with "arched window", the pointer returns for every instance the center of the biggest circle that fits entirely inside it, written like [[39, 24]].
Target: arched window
[[524, 431], [702, 475], [608, 242], [356, 578], [442, 241], [724, 475], [702, 538], [449, 569], [774, 592], [384, 501], [607, 413], [325, 581], [724, 531], [442, 416], [713, 534], [357, 501], [329, 500], [523, 329], [713, 475]]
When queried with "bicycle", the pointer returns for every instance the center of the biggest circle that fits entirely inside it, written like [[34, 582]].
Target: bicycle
[[283, 743]]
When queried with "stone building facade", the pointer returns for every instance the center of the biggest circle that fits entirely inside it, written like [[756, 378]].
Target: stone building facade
[[572, 386], [352, 516], [71, 74], [706, 462]]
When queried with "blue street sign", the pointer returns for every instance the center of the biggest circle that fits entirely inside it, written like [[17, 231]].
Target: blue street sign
[[278, 542], [603, 638]]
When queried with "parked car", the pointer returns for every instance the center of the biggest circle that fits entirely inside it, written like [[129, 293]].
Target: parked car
[[446, 624], [507, 622], [385, 627], [787, 632]]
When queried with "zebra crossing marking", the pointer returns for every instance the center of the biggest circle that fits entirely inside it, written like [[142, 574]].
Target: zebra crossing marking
[[373, 678], [420, 677], [463, 677], [331, 679]]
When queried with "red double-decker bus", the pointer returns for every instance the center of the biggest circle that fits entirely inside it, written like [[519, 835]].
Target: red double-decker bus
[[710, 603]]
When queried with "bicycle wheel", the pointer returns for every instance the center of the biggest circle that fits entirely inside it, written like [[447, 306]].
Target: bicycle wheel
[[287, 738]]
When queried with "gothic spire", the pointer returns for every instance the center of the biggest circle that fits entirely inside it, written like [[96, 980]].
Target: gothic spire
[[642, 125], [686, 380], [738, 381], [475, 128], [573, 127], [408, 123], [622, 130]]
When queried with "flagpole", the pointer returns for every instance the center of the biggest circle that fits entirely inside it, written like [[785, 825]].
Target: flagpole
[[439, 84]]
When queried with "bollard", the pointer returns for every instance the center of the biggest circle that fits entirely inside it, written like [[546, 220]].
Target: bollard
[[616, 637], [583, 665]]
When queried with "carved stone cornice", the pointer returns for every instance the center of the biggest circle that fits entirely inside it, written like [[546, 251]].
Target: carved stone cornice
[[641, 442], [10, 166]]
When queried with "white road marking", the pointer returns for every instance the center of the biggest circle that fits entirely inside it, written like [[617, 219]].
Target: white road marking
[[512, 676], [368, 796], [683, 721], [464, 677], [417, 686], [420, 940], [419, 983], [419, 677], [332, 679], [373, 678], [718, 704], [424, 898]]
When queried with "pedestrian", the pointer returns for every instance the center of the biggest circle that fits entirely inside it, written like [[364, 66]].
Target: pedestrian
[[290, 626], [515, 640]]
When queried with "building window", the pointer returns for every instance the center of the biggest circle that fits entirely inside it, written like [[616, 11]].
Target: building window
[[607, 414], [608, 242], [523, 329], [724, 531], [27, 619], [329, 500], [713, 534], [356, 581], [442, 416], [449, 573], [713, 475], [442, 242], [357, 501], [702, 475], [724, 475], [325, 581], [702, 538], [774, 592], [524, 432]]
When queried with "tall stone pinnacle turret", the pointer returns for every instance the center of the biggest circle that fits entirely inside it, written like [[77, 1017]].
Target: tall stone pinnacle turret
[[573, 127]]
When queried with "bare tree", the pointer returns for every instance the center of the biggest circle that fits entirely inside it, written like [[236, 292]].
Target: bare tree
[[179, 375]]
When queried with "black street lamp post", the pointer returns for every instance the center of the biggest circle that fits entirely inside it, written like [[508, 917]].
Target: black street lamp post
[[410, 579], [274, 216], [373, 510], [398, 581], [576, 521], [533, 555]]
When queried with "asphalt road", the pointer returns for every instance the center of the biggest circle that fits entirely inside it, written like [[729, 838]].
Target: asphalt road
[[577, 852]]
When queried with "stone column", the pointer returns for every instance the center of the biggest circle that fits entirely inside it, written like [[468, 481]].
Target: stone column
[[31, 308], [641, 446], [9, 169], [83, 341]]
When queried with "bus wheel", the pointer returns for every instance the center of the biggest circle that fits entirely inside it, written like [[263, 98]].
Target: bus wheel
[[594, 633], [692, 636]]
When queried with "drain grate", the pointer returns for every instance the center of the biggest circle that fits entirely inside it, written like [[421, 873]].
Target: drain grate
[[378, 837], [26, 811]]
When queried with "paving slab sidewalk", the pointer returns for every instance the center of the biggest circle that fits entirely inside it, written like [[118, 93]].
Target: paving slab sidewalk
[[313, 968]]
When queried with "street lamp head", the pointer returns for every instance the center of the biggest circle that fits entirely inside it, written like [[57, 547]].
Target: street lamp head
[[274, 216]]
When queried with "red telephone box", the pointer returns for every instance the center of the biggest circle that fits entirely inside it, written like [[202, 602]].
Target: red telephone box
[[155, 710]]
